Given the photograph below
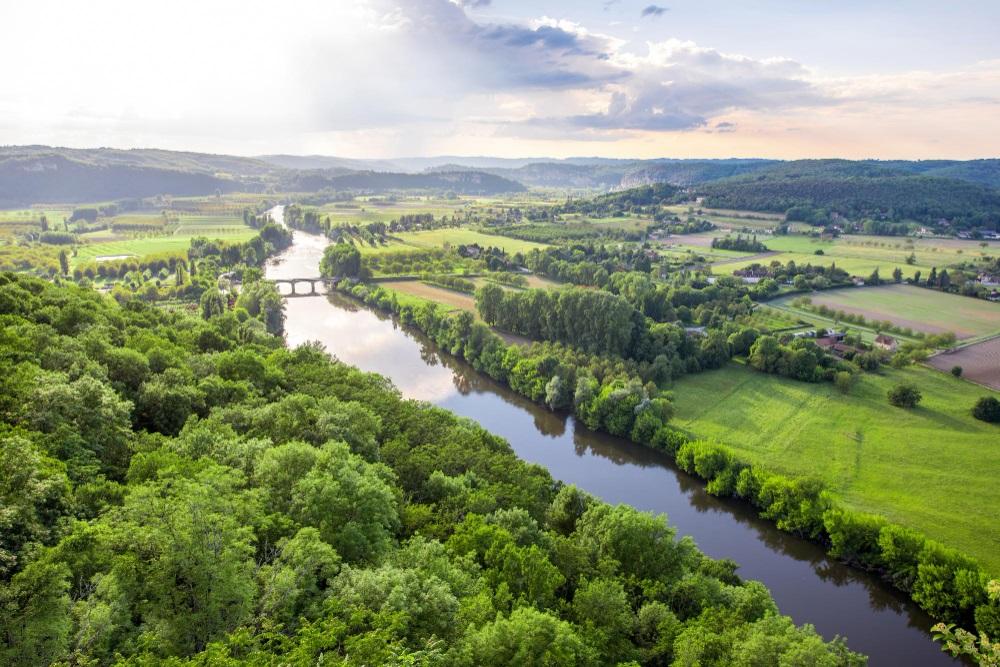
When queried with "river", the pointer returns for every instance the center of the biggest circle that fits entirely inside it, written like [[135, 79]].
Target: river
[[805, 583]]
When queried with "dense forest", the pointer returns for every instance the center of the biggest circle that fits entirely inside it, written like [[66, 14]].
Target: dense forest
[[185, 488], [459, 182], [858, 190]]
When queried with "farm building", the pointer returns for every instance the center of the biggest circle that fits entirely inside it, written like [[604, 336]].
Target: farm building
[[887, 343]]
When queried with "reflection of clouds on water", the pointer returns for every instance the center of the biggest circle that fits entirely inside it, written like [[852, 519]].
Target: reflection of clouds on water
[[361, 339]]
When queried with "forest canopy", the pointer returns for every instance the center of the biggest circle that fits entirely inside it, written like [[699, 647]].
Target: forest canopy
[[187, 488]]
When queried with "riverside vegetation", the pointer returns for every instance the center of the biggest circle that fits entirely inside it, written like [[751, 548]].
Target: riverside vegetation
[[606, 368]]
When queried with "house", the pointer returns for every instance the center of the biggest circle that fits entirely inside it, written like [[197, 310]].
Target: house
[[887, 343], [858, 281], [473, 250], [834, 346]]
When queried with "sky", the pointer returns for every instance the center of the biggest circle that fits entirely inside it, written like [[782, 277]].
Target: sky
[[512, 78]]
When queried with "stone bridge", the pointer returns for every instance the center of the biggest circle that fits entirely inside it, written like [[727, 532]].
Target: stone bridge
[[292, 286]]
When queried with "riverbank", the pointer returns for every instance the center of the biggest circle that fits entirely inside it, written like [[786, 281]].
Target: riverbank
[[804, 581]]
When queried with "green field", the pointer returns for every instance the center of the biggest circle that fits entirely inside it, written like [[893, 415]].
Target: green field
[[917, 308], [731, 219], [860, 255], [437, 238], [933, 468], [153, 245], [361, 211]]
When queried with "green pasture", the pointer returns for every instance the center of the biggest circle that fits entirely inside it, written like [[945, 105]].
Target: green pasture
[[436, 238], [918, 308], [933, 468], [857, 267], [152, 245], [860, 255]]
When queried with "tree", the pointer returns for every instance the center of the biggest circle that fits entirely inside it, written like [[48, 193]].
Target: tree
[[346, 498], [489, 299], [956, 371], [63, 263], [911, 259], [341, 260], [34, 615], [527, 637], [34, 493], [765, 354], [212, 303], [987, 409], [261, 299], [904, 396], [843, 381], [89, 422], [897, 275]]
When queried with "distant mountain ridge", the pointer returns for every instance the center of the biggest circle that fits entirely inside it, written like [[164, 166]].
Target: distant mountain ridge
[[43, 174]]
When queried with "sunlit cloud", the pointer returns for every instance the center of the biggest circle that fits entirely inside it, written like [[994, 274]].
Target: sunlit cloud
[[380, 78]]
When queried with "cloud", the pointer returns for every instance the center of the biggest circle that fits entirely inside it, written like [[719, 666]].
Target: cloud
[[441, 62], [678, 86], [653, 10], [391, 77], [475, 3]]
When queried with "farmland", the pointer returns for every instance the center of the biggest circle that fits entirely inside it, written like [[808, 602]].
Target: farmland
[[913, 307], [928, 468], [980, 362], [450, 298], [860, 255], [437, 238]]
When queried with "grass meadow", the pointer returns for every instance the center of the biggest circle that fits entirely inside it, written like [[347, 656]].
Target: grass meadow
[[918, 308], [933, 468], [860, 255], [436, 238]]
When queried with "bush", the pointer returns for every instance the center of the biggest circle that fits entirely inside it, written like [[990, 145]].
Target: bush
[[904, 396], [956, 371], [987, 409]]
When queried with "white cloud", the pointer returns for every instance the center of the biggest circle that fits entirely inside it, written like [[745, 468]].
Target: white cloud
[[392, 76]]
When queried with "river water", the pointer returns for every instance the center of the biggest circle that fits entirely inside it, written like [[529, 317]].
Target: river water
[[805, 583]]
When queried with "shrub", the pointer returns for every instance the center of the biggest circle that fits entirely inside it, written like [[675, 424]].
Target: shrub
[[904, 396], [956, 371], [987, 409]]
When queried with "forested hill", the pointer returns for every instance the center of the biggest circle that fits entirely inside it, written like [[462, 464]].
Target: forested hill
[[619, 174], [459, 182], [644, 199], [40, 174], [857, 190], [185, 490], [36, 175]]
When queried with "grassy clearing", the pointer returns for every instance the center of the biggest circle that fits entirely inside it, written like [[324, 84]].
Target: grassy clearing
[[933, 468], [918, 308], [454, 236], [857, 267], [774, 319], [860, 255], [152, 245]]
